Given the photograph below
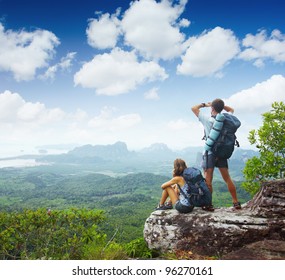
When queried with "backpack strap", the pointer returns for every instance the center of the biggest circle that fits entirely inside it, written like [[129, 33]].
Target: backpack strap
[[183, 193], [204, 137], [237, 143]]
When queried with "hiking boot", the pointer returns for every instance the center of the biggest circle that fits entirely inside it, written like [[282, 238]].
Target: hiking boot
[[237, 205], [209, 208], [163, 207], [168, 205]]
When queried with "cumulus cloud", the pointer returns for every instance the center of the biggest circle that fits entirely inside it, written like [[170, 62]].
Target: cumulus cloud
[[25, 123], [209, 53], [152, 94], [14, 109], [103, 32], [152, 28], [22, 52], [259, 98], [260, 47], [64, 64], [107, 121], [117, 72]]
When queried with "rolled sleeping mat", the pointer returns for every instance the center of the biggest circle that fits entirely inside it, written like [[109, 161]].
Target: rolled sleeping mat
[[215, 131]]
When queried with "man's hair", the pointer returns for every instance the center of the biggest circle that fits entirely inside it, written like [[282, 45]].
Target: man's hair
[[218, 105]]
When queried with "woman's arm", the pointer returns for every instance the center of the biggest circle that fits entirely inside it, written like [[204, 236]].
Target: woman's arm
[[175, 180]]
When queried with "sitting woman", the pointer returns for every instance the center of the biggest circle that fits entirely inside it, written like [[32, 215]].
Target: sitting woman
[[177, 189]]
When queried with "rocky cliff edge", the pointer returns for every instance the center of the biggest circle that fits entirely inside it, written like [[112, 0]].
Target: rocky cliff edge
[[260, 224]]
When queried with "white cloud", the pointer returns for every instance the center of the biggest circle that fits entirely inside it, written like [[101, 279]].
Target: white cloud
[[30, 111], [152, 94], [66, 61], [106, 120], [103, 32], [260, 47], [79, 115], [259, 98], [117, 72], [125, 122], [184, 23], [49, 73], [103, 118], [29, 124], [15, 110], [64, 64], [152, 28], [9, 105], [209, 53], [22, 53], [180, 133]]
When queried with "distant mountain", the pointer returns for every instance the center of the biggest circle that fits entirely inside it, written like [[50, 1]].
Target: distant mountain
[[156, 148], [156, 152], [157, 158], [117, 151], [243, 154]]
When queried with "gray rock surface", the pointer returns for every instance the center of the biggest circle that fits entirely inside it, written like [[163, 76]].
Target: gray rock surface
[[261, 250], [223, 231]]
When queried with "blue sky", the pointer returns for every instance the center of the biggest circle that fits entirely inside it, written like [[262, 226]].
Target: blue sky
[[107, 71]]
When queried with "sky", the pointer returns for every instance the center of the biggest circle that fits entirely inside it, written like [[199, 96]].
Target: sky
[[98, 72]]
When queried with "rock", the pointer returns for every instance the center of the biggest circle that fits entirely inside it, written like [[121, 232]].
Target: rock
[[223, 231], [261, 250]]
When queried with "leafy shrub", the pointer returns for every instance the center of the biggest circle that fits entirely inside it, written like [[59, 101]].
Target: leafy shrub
[[111, 251], [269, 139], [49, 235], [138, 249]]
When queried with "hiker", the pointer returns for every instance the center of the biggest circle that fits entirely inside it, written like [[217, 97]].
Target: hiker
[[177, 189], [210, 161]]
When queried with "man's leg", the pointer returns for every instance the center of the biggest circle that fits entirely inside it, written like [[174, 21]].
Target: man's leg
[[208, 173], [231, 187], [208, 166]]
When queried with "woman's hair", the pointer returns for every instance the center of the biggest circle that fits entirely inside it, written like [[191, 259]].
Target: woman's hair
[[179, 166], [218, 105]]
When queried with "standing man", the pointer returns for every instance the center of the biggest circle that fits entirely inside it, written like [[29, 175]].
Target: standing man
[[210, 161]]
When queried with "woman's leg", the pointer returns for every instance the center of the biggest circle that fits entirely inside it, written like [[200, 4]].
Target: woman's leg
[[164, 196], [168, 192]]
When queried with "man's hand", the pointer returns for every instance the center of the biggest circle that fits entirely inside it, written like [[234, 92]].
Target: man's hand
[[196, 109]]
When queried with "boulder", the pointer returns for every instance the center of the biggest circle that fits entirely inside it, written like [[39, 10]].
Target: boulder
[[223, 231], [261, 250]]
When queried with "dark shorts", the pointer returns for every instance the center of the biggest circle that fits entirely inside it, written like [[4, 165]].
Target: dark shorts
[[182, 208], [211, 161]]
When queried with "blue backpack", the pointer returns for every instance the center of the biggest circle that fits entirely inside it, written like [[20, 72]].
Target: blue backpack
[[222, 146], [198, 193]]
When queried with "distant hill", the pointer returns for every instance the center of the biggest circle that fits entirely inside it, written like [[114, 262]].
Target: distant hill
[[117, 151], [157, 158]]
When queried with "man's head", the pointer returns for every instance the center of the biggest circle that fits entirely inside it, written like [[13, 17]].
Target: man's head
[[218, 105]]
